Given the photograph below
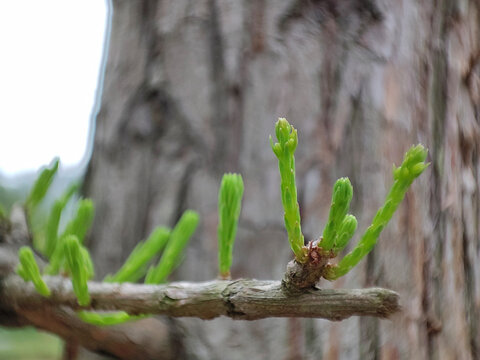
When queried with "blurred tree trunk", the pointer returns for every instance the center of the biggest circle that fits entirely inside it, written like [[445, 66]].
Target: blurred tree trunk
[[192, 90]]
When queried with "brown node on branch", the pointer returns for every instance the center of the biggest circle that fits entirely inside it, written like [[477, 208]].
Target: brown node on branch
[[224, 276], [300, 276]]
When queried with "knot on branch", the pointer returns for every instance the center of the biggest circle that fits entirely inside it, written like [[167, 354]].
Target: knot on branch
[[300, 276]]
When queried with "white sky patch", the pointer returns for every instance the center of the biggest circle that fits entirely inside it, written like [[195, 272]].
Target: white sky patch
[[50, 59]]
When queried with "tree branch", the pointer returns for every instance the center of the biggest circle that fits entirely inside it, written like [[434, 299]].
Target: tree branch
[[239, 299], [295, 296], [143, 339]]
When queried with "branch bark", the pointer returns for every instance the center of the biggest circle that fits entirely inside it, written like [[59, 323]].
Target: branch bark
[[144, 339], [239, 299]]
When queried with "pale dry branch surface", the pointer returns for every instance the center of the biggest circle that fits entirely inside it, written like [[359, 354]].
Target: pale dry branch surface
[[239, 299]]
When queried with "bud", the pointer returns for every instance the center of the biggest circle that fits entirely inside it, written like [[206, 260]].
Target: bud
[[342, 190], [416, 154], [292, 142], [347, 229], [290, 145], [417, 169], [28, 270], [277, 148], [341, 197], [412, 166], [78, 269], [282, 130]]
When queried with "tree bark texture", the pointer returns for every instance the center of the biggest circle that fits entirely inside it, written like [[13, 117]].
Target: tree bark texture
[[242, 299], [192, 90]]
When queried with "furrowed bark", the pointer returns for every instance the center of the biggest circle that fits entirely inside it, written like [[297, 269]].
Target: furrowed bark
[[192, 89]]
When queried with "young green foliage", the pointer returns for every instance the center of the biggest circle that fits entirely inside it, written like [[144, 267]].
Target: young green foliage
[[413, 165], [229, 206], [284, 149], [57, 259], [178, 240], [107, 318], [341, 197], [133, 269], [345, 233], [82, 221], [41, 185], [78, 227], [135, 266], [28, 270], [51, 231], [79, 266], [87, 262]]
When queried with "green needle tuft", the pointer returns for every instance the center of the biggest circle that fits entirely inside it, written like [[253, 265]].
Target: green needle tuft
[[178, 240], [135, 266], [284, 149], [28, 270], [229, 206], [341, 197], [412, 166], [107, 318], [347, 229], [82, 221], [80, 268], [41, 185], [51, 233]]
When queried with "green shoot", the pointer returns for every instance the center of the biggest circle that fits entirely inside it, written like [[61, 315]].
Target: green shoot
[[229, 205], [107, 318], [51, 230], [178, 240], [135, 266], [28, 270], [78, 227], [87, 262], [284, 150], [133, 269], [53, 221], [341, 197], [345, 233], [41, 185], [82, 221], [57, 258], [413, 165], [80, 268]]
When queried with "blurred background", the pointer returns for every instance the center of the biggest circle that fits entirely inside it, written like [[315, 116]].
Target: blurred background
[[51, 72], [187, 90]]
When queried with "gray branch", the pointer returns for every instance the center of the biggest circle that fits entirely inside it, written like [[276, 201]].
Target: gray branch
[[239, 299]]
